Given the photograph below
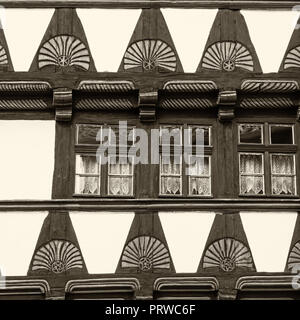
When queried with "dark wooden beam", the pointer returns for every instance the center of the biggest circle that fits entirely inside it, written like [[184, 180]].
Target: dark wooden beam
[[137, 4], [140, 206]]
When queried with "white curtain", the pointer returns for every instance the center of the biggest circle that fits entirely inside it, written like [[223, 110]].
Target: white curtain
[[251, 164], [283, 181]]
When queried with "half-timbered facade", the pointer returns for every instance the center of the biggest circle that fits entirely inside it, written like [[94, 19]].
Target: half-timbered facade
[[250, 123]]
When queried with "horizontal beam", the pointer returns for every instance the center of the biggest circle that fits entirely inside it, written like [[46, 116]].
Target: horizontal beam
[[138, 4], [150, 205]]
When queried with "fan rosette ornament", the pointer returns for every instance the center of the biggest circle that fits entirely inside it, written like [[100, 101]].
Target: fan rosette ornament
[[57, 256], [64, 51], [146, 253], [227, 254]]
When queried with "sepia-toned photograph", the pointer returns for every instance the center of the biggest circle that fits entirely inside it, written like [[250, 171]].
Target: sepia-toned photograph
[[149, 153]]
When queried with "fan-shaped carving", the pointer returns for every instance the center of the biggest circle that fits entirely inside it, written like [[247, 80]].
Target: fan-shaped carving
[[3, 56], [57, 256], [227, 55], [227, 254], [149, 54], [294, 256], [145, 253], [292, 59], [63, 51]]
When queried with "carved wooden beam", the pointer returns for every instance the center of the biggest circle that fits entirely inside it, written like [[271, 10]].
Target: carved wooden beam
[[226, 103], [62, 102], [147, 104]]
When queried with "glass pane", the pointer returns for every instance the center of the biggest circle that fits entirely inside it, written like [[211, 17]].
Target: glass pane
[[283, 185], [252, 185], [87, 134], [170, 185], [122, 168], [200, 134], [169, 166], [115, 133], [250, 133], [199, 166], [87, 185], [281, 134], [120, 186], [200, 186], [251, 163], [282, 164], [87, 164], [170, 135]]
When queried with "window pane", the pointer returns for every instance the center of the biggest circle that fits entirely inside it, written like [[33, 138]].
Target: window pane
[[170, 135], [281, 134], [199, 166], [170, 185], [120, 169], [252, 185], [199, 186], [283, 185], [251, 163], [120, 186], [283, 164], [115, 134], [250, 133], [87, 185], [87, 134], [86, 164], [200, 133]]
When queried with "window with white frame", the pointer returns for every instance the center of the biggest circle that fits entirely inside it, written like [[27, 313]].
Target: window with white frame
[[275, 153], [114, 178], [187, 176], [120, 176]]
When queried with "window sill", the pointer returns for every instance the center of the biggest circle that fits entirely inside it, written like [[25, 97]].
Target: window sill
[[101, 197]]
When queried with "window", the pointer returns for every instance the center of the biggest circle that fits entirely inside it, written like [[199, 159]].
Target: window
[[199, 176], [87, 175], [267, 148], [114, 178], [185, 174], [251, 173], [120, 177], [283, 174]]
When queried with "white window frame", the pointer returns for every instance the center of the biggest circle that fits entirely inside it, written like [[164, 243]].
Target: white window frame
[[283, 175], [253, 174], [281, 125], [200, 176], [261, 125], [121, 176], [77, 155]]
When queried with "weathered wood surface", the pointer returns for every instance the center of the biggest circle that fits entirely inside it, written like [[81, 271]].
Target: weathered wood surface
[[136, 4]]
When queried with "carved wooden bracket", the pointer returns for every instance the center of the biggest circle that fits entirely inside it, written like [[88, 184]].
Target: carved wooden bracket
[[62, 102], [227, 294], [226, 103], [147, 105]]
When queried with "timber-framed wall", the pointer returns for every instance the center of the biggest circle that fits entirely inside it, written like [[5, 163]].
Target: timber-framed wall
[[226, 91]]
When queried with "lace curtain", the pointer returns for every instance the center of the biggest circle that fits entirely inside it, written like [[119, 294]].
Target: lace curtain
[[87, 177], [251, 170], [199, 176], [283, 179], [170, 177], [120, 179]]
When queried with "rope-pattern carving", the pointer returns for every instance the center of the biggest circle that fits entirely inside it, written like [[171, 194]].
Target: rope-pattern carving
[[106, 86], [25, 86], [191, 103], [278, 102], [23, 104], [190, 86], [104, 104], [269, 86]]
